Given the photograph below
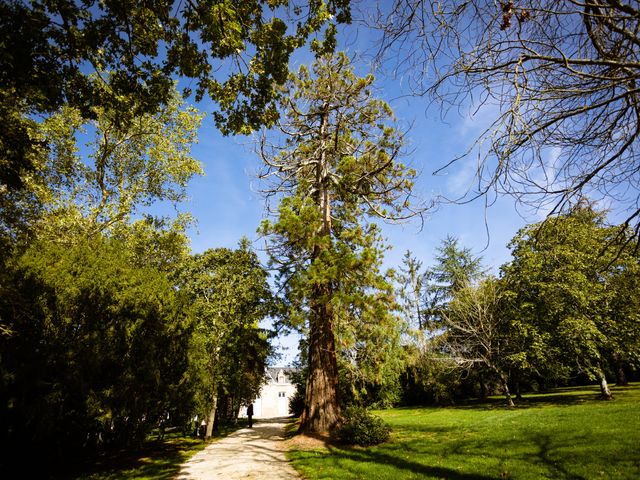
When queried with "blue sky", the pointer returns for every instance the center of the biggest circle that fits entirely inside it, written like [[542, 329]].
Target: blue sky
[[227, 204]]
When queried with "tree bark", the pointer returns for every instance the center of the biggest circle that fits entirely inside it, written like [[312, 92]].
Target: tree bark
[[518, 392], [605, 393], [212, 417], [508, 395], [505, 390], [483, 387], [621, 378], [322, 411], [504, 380]]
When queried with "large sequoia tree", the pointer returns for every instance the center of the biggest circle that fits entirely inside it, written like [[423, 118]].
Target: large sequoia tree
[[337, 169]]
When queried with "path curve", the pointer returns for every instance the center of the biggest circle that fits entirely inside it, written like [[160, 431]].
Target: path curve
[[248, 453]]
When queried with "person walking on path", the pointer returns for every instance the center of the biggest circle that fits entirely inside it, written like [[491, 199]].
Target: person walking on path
[[250, 414], [256, 453]]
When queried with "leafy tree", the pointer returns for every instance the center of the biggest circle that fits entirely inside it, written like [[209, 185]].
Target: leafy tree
[[369, 346], [229, 295], [559, 80], [336, 169], [566, 290], [623, 304], [89, 288], [430, 376], [48, 49], [98, 349], [126, 169], [478, 331]]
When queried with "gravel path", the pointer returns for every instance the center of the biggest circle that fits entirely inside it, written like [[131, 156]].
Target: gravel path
[[249, 453]]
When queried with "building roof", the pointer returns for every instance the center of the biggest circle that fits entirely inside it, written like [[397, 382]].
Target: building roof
[[272, 373]]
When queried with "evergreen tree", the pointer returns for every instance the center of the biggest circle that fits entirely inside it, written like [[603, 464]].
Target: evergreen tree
[[455, 267], [412, 291], [336, 170]]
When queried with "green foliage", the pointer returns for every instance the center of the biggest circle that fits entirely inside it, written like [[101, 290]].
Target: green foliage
[[127, 170], [296, 403], [564, 288], [412, 282], [561, 308], [429, 377], [362, 428], [98, 348], [49, 47], [455, 267], [432, 374], [228, 295], [338, 169]]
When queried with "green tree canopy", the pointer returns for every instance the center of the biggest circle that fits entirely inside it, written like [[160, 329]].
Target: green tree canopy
[[96, 179], [97, 351], [565, 288], [229, 296], [236, 52], [455, 268]]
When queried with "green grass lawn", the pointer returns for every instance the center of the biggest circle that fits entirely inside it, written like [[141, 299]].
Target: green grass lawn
[[567, 434], [156, 460]]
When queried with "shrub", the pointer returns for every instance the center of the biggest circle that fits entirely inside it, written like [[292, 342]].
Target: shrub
[[296, 403], [362, 428]]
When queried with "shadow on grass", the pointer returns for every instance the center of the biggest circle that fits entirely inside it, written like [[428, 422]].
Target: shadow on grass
[[155, 459], [390, 455], [291, 428], [557, 397], [381, 458], [483, 440], [545, 450]]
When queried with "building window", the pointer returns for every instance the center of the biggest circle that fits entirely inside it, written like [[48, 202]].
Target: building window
[[281, 394]]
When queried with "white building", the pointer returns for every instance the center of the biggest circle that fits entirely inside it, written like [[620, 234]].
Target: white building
[[274, 396]]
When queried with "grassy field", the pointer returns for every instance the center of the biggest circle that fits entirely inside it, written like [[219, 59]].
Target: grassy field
[[157, 460], [567, 434]]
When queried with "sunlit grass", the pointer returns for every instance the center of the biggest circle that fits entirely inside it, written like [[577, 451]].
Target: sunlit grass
[[567, 434], [156, 460]]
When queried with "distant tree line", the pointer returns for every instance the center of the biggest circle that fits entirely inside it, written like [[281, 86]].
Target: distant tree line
[[564, 311], [561, 312]]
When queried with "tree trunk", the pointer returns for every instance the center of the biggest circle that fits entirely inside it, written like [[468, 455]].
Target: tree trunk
[[322, 411], [621, 378], [605, 393], [518, 392], [504, 380], [483, 387], [505, 390], [508, 395], [212, 417]]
